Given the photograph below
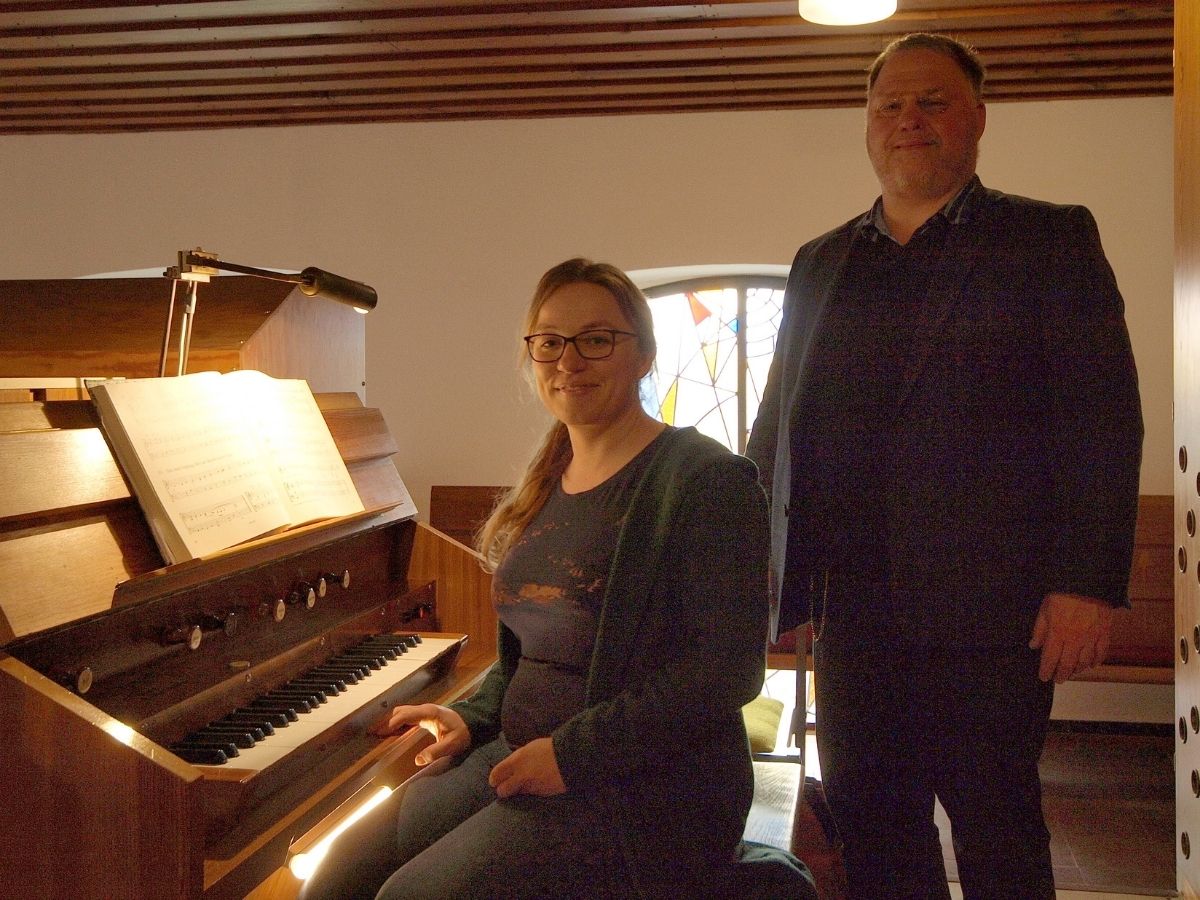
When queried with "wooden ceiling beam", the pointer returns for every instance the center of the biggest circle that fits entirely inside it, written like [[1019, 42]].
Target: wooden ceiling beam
[[352, 65], [114, 13], [467, 97], [36, 125], [791, 27], [561, 16], [10, 125], [847, 81], [67, 68], [984, 41]]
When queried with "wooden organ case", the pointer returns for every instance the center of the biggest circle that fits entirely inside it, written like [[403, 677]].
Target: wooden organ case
[[108, 658]]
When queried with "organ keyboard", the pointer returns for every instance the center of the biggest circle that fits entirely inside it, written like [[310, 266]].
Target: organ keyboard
[[308, 708], [169, 731]]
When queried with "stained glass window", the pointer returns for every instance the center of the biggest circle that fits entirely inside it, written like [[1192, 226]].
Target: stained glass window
[[715, 343]]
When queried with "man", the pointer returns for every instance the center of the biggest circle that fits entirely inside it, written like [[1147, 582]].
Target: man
[[951, 436]]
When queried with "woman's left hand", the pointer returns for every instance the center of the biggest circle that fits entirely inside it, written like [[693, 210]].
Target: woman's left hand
[[531, 769]]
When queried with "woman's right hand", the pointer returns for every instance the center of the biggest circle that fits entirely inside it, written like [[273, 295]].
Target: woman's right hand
[[450, 733]]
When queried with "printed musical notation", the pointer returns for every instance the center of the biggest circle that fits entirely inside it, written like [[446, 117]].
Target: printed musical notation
[[220, 514], [324, 483], [307, 464], [218, 459], [213, 477], [200, 520]]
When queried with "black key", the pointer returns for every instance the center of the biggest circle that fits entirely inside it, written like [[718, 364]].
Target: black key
[[328, 685], [241, 739], [351, 671], [222, 727], [392, 651], [277, 719], [298, 704], [201, 756], [321, 691], [226, 747], [312, 698], [309, 699], [275, 706], [381, 653], [251, 722], [357, 650], [366, 658], [389, 640], [340, 678]]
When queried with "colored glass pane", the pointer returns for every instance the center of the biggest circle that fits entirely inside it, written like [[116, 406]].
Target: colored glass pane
[[696, 378]]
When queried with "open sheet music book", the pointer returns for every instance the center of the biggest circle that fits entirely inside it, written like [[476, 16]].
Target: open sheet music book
[[217, 459]]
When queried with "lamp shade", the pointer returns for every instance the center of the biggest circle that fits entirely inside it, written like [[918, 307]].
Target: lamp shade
[[846, 12], [319, 283]]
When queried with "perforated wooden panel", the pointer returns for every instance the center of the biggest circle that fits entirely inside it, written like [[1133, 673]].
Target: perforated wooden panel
[[1187, 438]]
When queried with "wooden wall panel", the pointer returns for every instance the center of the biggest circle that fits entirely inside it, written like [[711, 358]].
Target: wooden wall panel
[[463, 589], [1187, 439], [460, 509], [319, 340]]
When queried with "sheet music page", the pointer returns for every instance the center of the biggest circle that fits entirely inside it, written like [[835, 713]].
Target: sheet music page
[[296, 441], [187, 438]]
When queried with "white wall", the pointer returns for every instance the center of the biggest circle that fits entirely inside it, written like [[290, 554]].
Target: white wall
[[455, 222]]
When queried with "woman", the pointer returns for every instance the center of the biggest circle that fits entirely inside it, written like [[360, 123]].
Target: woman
[[605, 753]]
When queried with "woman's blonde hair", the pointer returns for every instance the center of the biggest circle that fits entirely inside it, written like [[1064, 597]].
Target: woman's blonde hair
[[516, 508]]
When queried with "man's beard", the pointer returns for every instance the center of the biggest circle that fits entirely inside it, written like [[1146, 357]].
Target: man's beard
[[933, 181]]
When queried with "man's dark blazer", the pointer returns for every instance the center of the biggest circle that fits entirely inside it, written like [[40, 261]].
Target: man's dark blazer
[[1016, 446]]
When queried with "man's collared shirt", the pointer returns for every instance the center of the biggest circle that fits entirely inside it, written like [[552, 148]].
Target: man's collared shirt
[[958, 209]]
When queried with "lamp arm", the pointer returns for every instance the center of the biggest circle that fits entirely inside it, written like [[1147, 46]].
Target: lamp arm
[[190, 259], [313, 282]]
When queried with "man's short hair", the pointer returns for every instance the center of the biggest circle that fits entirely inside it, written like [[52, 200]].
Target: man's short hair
[[963, 55]]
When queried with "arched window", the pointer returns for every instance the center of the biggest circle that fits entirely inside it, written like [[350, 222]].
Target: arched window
[[716, 337]]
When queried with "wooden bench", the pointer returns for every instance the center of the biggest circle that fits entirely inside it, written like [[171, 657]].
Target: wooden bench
[[1143, 638], [1142, 648]]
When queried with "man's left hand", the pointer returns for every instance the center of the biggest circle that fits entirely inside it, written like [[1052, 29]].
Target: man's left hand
[[531, 769], [1072, 632]]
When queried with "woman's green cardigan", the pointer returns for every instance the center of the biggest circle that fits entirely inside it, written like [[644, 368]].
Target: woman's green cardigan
[[680, 648]]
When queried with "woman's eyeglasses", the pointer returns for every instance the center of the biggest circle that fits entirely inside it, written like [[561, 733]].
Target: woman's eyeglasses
[[596, 344]]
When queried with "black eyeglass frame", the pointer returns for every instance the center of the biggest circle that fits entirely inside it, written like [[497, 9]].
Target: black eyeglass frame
[[574, 339]]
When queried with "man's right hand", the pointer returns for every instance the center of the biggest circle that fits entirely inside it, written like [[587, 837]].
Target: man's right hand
[[450, 733], [1072, 632]]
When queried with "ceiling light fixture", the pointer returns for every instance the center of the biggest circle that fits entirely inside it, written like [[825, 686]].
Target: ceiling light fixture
[[846, 12]]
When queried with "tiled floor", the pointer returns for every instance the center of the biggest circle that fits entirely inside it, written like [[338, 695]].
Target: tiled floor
[[1109, 802], [956, 893]]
